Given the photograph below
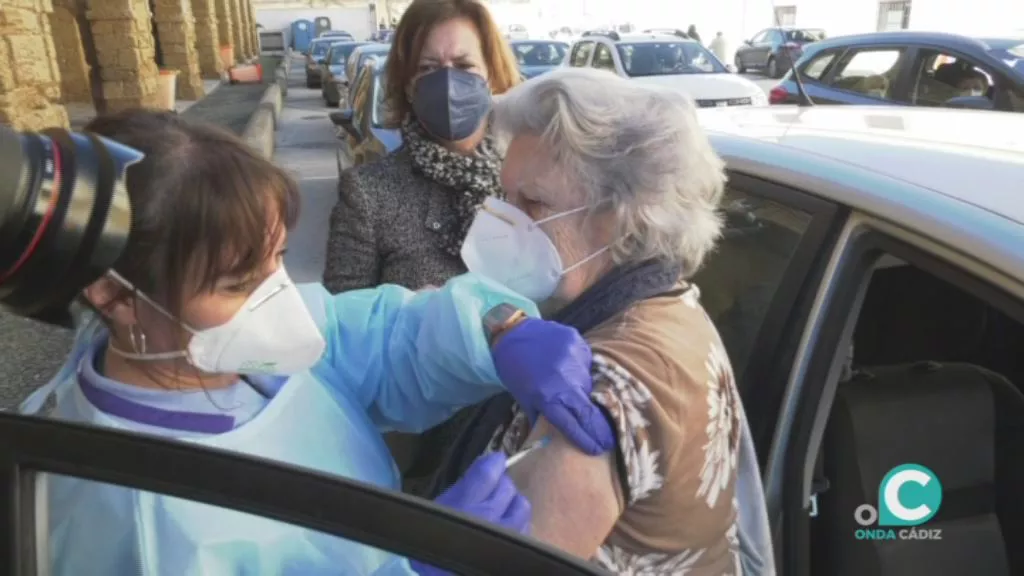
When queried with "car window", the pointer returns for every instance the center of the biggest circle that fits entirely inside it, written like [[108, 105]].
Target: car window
[[817, 66], [738, 281], [539, 53], [581, 54], [759, 37], [868, 72], [603, 58], [667, 58], [940, 76], [804, 36], [339, 54], [1013, 57], [774, 36]]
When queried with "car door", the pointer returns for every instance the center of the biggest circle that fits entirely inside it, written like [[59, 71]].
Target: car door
[[755, 287], [767, 48], [866, 75], [747, 54], [32, 450]]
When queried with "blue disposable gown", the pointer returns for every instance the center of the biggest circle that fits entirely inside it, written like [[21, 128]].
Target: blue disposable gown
[[395, 360]]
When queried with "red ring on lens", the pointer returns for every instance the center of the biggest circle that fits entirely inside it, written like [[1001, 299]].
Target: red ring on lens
[[47, 218]]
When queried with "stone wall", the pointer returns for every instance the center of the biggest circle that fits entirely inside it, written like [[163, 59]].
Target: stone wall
[[122, 32], [207, 38], [29, 75], [176, 31], [225, 23], [70, 50]]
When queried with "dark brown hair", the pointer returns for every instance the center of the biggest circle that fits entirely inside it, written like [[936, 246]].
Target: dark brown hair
[[419, 19], [203, 205]]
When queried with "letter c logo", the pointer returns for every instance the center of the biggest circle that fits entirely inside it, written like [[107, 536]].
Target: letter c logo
[[909, 495]]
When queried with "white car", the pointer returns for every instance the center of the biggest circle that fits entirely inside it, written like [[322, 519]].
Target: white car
[[673, 61]]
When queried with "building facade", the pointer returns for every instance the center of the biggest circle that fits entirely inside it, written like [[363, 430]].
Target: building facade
[[109, 53]]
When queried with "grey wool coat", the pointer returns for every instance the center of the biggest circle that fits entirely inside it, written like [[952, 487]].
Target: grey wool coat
[[386, 229], [387, 226]]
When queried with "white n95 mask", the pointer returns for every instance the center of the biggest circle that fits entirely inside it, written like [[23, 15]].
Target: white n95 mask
[[507, 246], [272, 333]]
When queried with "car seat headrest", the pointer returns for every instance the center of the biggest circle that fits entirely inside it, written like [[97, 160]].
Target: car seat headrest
[[909, 315]]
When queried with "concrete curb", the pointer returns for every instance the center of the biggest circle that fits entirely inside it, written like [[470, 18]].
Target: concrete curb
[[260, 130]]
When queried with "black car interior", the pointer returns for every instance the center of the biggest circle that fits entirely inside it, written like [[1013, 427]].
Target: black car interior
[[939, 370]]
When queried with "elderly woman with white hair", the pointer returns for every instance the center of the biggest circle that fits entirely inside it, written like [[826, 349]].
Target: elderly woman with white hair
[[613, 197]]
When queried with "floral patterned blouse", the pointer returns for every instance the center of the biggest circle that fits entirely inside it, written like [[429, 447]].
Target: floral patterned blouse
[[663, 376]]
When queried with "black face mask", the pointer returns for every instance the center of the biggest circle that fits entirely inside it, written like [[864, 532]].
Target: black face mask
[[451, 103]]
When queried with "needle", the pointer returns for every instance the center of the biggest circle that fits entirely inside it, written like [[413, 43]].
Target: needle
[[515, 458]]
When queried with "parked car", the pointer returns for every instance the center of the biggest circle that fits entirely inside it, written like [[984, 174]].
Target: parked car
[[774, 50], [678, 63], [536, 57], [911, 69], [359, 57], [315, 57], [337, 35], [334, 81], [869, 289], [517, 32], [363, 124]]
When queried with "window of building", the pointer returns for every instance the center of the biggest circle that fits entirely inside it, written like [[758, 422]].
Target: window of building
[[893, 15], [785, 15]]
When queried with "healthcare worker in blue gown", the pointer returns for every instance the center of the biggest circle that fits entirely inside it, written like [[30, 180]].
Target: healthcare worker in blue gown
[[311, 379]]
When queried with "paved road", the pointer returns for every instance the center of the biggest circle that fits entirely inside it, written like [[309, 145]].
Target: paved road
[[306, 146], [763, 81]]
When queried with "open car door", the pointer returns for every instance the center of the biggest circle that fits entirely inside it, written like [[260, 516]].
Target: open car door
[[380, 518]]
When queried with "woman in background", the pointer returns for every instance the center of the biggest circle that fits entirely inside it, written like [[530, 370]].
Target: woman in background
[[402, 219]]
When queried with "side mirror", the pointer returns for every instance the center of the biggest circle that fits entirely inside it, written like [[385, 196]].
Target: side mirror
[[343, 118], [748, 42], [970, 103]]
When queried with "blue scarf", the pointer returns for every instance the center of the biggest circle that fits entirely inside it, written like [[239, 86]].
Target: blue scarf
[[613, 293]]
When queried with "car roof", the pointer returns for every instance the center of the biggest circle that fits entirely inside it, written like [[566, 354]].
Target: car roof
[[953, 41], [903, 142], [348, 43], [636, 38], [951, 175], [374, 47]]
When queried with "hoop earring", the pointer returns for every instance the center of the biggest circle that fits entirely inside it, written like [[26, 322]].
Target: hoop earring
[[138, 339]]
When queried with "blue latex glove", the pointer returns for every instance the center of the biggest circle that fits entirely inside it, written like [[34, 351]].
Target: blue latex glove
[[485, 491], [546, 368]]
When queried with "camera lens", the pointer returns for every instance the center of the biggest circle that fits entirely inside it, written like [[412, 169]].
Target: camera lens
[[64, 215]]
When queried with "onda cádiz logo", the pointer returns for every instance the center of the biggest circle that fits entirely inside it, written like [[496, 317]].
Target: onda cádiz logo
[[908, 496]]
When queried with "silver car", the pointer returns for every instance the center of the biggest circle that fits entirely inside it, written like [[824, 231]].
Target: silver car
[[869, 288]]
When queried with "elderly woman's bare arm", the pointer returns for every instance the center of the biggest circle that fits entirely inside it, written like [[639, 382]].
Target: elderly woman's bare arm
[[576, 498]]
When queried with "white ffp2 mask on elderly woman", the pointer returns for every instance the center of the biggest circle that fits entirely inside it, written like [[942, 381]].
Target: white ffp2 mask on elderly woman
[[507, 246], [272, 333]]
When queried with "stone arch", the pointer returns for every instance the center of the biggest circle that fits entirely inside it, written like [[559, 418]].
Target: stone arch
[[70, 48]]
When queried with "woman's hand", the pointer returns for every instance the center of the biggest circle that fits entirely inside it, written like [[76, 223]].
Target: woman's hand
[[546, 368], [485, 491]]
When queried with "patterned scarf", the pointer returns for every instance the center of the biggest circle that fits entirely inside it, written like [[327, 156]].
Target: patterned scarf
[[469, 178]]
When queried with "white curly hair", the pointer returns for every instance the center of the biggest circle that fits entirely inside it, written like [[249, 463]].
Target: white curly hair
[[634, 148]]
